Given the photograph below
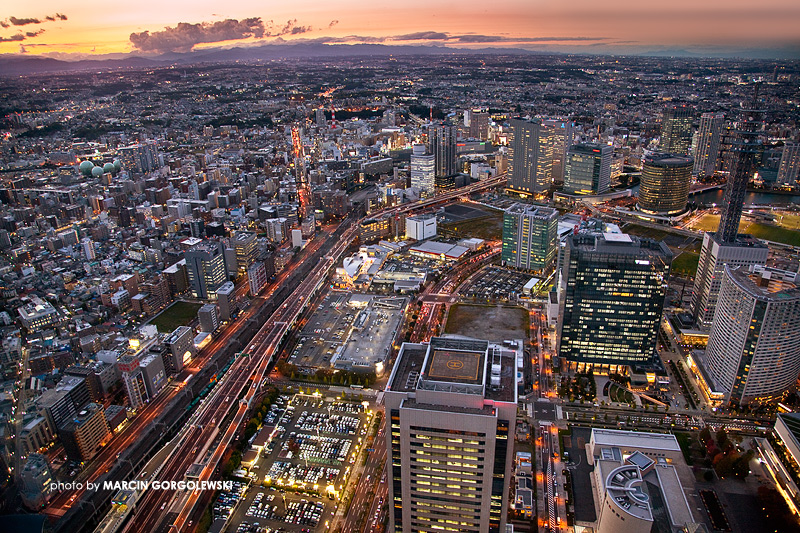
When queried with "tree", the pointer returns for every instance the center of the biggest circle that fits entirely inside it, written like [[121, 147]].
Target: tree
[[722, 438]]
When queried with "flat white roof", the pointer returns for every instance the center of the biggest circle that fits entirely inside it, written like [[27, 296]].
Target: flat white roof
[[617, 237], [635, 439], [531, 283], [439, 248]]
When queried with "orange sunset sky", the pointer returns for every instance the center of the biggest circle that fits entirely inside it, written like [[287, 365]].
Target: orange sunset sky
[[95, 27]]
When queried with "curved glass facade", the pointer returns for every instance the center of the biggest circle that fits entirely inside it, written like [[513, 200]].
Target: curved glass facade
[[665, 181]]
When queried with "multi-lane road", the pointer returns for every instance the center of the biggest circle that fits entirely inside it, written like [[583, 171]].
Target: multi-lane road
[[207, 444], [262, 347]]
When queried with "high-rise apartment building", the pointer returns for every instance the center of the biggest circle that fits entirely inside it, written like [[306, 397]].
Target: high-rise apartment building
[[664, 186], [789, 168], [88, 249], [560, 136], [613, 297], [257, 278], [134, 380], [208, 315], [709, 136], [714, 255], [140, 158], [83, 435], [206, 269], [423, 170], [530, 237], [676, 129], [588, 169], [753, 352], [451, 410], [531, 161], [442, 144], [319, 117], [225, 296]]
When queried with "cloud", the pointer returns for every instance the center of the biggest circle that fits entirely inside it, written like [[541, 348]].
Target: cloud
[[16, 21], [422, 36], [21, 36], [23, 22], [185, 36], [291, 28], [333, 23]]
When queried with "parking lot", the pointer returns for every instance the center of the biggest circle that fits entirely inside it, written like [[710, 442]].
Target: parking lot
[[349, 331], [496, 283], [298, 474]]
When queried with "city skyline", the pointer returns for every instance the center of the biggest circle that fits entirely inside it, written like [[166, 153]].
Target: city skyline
[[349, 289], [87, 29]]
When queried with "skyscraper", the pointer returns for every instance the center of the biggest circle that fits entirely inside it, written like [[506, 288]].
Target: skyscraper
[[714, 255], [753, 352], [530, 237], [560, 135], [206, 269], [613, 298], [423, 170], [727, 245], [319, 117], [588, 169], [789, 169], [442, 144], [479, 125], [531, 156], [664, 188], [676, 129], [709, 135], [451, 409], [744, 146]]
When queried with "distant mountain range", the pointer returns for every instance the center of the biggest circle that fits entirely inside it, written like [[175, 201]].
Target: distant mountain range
[[18, 64]]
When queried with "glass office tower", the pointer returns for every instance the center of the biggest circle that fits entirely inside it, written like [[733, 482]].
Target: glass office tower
[[612, 299]]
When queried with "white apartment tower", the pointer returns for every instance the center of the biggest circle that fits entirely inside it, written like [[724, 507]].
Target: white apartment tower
[[708, 142], [753, 352], [789, 169], [423, 170]]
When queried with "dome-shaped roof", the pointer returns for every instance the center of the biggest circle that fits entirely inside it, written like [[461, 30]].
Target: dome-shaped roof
[[108, 167], [97, 172], [86, 167], [117, 164]]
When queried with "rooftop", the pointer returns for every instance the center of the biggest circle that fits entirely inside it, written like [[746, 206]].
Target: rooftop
[[619, 244], [450, 251], [459, 365], [766, 284], [792, 423], [635, 439], [456, 366], [624, 485]]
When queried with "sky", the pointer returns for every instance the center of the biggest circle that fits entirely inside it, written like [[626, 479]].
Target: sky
[[81, 28]]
